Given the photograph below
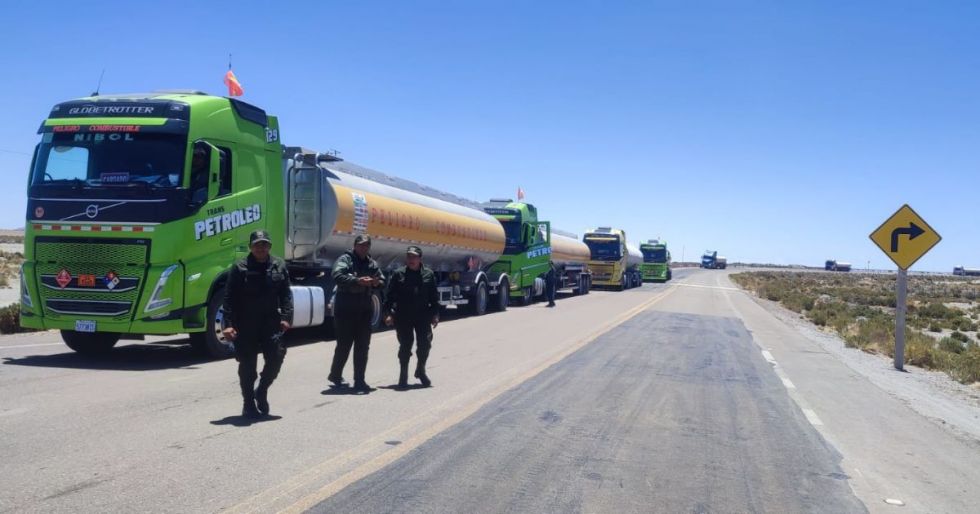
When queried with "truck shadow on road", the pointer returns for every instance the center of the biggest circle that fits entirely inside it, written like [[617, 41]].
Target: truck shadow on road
[[177, 353], [174, 354]]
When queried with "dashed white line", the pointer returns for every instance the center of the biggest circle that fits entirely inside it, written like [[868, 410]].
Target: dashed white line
[[812, 417], [768, 356], [699, 286], [788, 383]]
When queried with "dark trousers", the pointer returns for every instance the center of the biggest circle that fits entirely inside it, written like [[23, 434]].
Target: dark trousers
[[417, 331], [353, 329], [550, 287], [247, 351]]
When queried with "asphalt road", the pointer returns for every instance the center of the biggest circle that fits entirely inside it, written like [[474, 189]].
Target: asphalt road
[[668, 412], [684, 397]]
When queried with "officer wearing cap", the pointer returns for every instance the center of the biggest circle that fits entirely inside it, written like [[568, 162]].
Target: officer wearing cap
[[412, 306], [357, 277], [258, 309]]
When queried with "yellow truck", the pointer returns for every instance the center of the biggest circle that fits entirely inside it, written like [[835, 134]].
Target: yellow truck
[[614, 262]]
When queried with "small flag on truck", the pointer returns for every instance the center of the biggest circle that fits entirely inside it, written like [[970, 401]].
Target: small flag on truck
[[234, 87], [520, 193]]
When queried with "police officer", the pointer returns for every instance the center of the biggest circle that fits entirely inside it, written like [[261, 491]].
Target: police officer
[[551, 283], [357, 276], [258, 308], [412, 306]]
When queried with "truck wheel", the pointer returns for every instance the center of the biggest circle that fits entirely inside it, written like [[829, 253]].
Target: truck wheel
[[377, 321], [480, 300], [503, 296], [95, 343], [527, 297], [212, 341]]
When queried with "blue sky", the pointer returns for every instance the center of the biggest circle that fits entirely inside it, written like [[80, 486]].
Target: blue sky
[[777, 132]]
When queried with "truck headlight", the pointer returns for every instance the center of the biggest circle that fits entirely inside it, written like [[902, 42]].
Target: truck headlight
[[25, 295], [155, 301]]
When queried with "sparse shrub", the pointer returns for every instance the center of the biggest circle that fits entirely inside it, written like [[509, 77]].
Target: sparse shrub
[[10, 319], [948, 344]]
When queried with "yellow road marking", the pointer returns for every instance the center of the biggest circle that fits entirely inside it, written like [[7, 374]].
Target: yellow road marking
[[263, 501]]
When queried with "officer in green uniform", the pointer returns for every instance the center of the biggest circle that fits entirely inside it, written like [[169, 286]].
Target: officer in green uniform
[[357, 276], [412, 306], [258, 308]]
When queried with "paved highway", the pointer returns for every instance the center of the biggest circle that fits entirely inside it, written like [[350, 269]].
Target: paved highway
[[685, 397]]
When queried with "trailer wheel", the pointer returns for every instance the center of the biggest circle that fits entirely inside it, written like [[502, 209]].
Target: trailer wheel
[[503, 296], [212, 342], [478, 307], [95, 343], [377, 320]]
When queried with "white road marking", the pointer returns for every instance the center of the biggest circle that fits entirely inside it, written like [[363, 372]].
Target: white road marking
[[768, 356], [812, 417], [892, 501], [30, 345], [699, 286], [13, 412], [789, 384]]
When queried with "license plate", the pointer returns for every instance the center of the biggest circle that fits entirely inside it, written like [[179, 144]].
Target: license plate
[[84, 326]]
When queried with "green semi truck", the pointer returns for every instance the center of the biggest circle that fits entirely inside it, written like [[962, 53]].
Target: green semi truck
[[656, 261], [531, 245], [138, 204]]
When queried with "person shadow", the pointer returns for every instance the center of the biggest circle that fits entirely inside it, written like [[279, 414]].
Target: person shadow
[[409, 387], [243, 421], [346, 390]]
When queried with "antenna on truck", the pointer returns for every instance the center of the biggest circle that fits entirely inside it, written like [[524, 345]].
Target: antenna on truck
[[99, 85]]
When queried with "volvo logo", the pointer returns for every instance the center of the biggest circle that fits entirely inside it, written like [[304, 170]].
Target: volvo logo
[[92, 211]]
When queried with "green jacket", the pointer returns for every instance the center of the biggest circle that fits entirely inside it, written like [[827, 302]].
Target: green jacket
[[412, 294], [257, 296], [348, 268]]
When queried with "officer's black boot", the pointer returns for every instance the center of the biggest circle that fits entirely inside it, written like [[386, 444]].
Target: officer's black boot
[[420, 374], [262, 397], [248, 407], [403, 375]]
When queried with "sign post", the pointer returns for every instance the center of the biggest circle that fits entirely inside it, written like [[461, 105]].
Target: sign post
[[904, 237]]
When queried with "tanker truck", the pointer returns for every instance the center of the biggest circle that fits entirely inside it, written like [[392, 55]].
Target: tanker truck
[[614, 262], [656, 261], [138, 204], [570, 257], [530, 245]]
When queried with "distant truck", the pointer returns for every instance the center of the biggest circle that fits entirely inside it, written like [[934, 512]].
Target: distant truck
[[833, 265], [614, 262], [966, 272], [711, 260], [656, 261], [529, 246]]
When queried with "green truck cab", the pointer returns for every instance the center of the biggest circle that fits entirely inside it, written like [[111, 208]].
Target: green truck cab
[[527, 251], [656, 261], [134, 213]]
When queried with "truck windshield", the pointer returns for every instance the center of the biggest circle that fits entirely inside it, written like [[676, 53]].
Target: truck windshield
[[512, 237], [604, 249], [654, 254], [109, 159]]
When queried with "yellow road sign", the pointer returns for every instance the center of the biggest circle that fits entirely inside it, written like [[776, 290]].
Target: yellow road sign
[[905, 237]]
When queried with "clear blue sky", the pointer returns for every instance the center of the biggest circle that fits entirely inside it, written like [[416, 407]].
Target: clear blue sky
[[769, 131]]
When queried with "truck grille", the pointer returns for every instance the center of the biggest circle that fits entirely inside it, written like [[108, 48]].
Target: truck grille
[[88, 307], [96, 259], [601, 272]]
